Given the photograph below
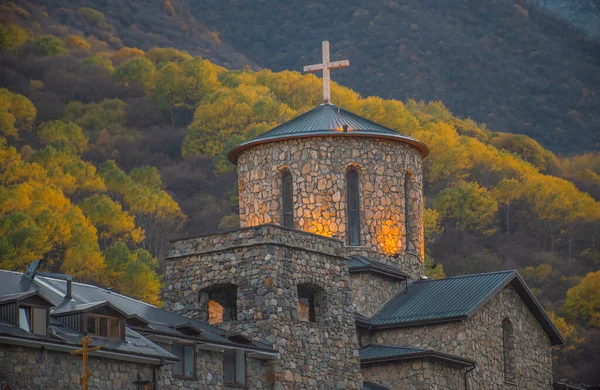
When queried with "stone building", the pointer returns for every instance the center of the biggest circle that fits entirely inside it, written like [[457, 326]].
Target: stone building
[[327, 267]]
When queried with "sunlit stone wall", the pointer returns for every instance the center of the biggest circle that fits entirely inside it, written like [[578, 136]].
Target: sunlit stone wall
[[318, 167]]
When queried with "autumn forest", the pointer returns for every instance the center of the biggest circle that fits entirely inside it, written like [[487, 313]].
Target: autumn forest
[[108, 150]]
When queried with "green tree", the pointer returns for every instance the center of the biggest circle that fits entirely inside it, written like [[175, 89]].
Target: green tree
[[69, 133], [11, 36], [17, 113], [49, 46], [467, 206], [134, 70]]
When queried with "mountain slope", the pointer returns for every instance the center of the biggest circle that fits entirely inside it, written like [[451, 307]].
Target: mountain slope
[[507, 63]]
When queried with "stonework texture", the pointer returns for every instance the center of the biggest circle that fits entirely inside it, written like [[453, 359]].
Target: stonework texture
[[318, 167], [480, 338], [415, 375], [26, 368], [371, 291], [267, 263]]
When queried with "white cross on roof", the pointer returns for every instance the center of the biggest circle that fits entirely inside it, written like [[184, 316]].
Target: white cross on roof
[[325, 67]]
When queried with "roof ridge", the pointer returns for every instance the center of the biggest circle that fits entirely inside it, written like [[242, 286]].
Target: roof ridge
[[466, 276]]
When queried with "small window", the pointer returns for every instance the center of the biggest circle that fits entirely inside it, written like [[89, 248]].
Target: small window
[[287, 200], [220, 303], [234, 367], [25, 318], [309, 303], [508, 346], [33, 319], [353, 198], [407, 210], [40, 317], [186, 354], [103, 326]]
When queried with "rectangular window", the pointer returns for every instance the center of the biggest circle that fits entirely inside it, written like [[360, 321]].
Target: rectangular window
[[39, 321], [25, 318], [353, 198], [102, 326], [234, 367], [186, 366], [288, 200]]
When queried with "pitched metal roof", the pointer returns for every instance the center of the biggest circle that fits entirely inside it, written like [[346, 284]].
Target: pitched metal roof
[[325, 121], [357, 263], [386, 353], [373, 386], [456, 298], [86, 297]]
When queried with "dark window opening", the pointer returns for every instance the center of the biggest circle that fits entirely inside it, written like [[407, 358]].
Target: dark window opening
[[353, 197], [310, 303], [287, 200], [25, 318], [234, 367], [508, 346], [407, 210], [219, 303], [186, 354], [103, 326]]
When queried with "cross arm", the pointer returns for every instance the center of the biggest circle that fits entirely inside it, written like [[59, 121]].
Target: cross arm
[[339, 64], [313, 68]]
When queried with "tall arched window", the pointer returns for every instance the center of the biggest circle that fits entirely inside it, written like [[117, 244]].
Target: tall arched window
[[508, 349], [407, 208], [287, 199], [353, 198]]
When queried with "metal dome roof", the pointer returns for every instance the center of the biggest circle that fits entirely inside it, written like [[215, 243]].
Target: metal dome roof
[[325, 121]]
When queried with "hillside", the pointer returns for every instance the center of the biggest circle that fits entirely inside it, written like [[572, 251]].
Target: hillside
[[106, 152], [507, 63]]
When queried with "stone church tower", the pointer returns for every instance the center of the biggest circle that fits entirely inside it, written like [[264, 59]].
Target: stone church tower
[[327, 268]]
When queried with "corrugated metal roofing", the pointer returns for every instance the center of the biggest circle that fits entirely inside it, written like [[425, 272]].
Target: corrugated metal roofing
[[327, 120], [377, 353], [385, 351], [373, 386], [442, 299], [357, 263]]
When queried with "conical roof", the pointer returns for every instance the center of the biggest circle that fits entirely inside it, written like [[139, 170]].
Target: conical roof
[[325, 121]]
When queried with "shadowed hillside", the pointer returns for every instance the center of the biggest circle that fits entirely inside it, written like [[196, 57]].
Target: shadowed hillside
[[507, 63]]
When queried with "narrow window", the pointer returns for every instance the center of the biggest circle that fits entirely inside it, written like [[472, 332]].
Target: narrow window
[[219, 303], [39, 321], [288, 200], [310, 303], [508, 346], [185, 367], [25, 318], [353, 196], [407, 209], [234, 367]]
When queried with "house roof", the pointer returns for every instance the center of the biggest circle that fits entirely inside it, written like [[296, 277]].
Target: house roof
[[86, 297], [373, 386], [456, 298], [327, 120], [358, 263], [386, 353]]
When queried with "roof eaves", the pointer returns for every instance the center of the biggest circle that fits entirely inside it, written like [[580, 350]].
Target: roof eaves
[[421, 355]]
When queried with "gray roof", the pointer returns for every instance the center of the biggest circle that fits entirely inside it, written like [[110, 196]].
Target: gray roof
[[357, 263], [386, 353], [325, 121], [86, 297], [456, 298]]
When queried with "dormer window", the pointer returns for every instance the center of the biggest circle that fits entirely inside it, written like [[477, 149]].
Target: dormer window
[[33, 319], [103, 326]]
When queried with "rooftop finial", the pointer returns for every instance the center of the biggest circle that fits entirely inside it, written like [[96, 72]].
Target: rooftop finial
[[325, 67]]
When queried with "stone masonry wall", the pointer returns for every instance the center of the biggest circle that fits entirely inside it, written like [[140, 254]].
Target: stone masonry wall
[[415, 375], [267, 263], [30, 368], [480, 338], [371, 291], [318, 167]]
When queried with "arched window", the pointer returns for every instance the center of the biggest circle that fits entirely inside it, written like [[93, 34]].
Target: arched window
[[353, 198], [287, 203], [407, 209], [508, 347]]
